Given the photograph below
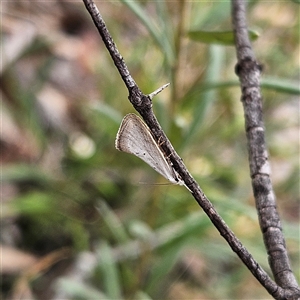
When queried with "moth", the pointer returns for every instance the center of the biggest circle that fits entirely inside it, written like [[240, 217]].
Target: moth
[[135, 137]]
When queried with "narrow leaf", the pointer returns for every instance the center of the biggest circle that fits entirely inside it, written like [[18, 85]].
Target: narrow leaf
[[218, 37]]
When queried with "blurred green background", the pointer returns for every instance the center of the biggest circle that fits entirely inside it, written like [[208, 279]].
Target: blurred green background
[[81, 220]]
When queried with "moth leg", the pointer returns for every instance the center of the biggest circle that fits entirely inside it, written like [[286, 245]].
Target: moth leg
[[160, 142]]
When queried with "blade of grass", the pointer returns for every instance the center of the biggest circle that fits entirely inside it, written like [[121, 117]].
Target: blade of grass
[[208, 97], [161, 268], [108, 267], [152, 28], [276, 84], [113, 223], [217, 37], [78, 290], [281, 85]]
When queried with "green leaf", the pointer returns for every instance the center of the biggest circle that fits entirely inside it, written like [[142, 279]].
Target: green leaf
[[153, 29], [113, 222], [207, 99], [281, 85], [75, 289], [34, 203], [23, 172], [218, 37], [161, 268], [109, 269], [140, 295]]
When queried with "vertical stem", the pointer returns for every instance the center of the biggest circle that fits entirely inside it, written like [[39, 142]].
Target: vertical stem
[[249, 71], [178, 48]]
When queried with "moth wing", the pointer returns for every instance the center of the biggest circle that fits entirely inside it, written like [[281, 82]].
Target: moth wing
[[134, 137]]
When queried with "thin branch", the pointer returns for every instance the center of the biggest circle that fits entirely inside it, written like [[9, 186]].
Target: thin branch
[[249, 71], [142, 103]]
